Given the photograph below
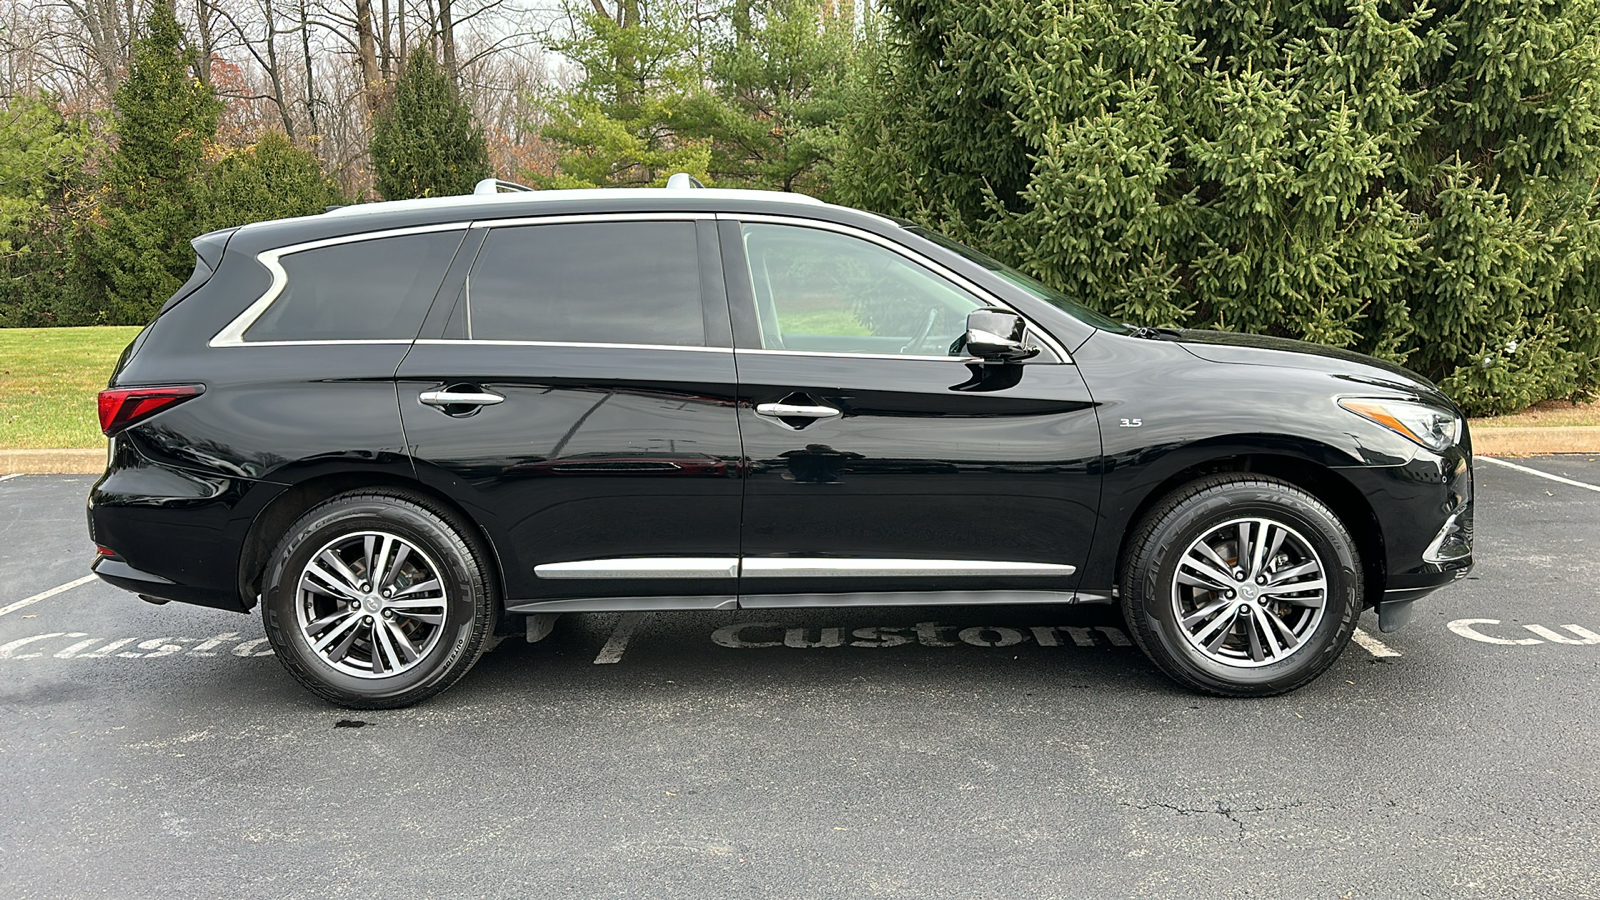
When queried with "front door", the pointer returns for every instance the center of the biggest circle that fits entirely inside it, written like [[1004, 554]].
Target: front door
[[877, 460], [578, 398]]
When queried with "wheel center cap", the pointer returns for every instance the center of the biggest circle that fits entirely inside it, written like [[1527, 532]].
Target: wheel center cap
[[372, 604], [1248, 590]]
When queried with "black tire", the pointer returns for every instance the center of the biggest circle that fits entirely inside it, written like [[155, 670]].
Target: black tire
[[1155, 601], [379, 673]]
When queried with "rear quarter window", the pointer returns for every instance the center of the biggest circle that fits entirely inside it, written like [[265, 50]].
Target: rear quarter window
[[376, 289]]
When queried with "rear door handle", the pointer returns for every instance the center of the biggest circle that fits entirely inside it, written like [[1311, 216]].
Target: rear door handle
[[792, 411], [460, 398]]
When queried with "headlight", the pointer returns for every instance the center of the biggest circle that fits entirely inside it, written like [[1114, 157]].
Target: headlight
[[1430, 426]]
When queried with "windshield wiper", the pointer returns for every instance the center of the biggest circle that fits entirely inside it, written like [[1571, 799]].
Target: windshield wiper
[[1155, 333]]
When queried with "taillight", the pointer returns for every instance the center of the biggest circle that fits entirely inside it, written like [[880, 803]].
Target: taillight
[[123, 407]]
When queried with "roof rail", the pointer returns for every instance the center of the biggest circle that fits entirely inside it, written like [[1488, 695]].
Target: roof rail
[[495, 186], [683, 181]]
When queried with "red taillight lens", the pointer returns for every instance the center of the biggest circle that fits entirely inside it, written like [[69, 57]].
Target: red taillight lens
[[122, 407]]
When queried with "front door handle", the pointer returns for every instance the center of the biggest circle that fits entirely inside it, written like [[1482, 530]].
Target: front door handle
[[793, 411], [460, 398]]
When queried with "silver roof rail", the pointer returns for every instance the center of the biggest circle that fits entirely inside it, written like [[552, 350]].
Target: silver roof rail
[[683, 181], [495, 186]]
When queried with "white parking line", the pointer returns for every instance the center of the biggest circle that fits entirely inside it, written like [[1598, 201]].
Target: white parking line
[[46, 595], [1374, 646], [1581, 484], [11, 476], [618, 644]]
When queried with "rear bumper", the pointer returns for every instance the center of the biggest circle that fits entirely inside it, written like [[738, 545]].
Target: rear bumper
[[176, 533], [119, 573]]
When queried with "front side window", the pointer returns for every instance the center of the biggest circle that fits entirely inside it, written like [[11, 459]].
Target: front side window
[[588, 282], [368, 290], [822, 291], [1026, 282]]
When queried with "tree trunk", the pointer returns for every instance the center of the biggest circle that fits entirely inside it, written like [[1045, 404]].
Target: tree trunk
[[366, 43], [274, 73], [202, 14], [403, 43], [447, 39], [311, 81], [627, 65]]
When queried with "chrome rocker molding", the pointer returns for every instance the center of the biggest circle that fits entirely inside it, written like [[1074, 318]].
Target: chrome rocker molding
[[644, 567], [789, 567], [825, 567]]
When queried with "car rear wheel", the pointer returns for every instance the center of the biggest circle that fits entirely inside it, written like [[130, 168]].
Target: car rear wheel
[[1242, 585], [377, 600]]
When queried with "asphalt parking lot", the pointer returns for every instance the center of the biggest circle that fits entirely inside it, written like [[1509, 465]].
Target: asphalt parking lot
[[1009, 752]]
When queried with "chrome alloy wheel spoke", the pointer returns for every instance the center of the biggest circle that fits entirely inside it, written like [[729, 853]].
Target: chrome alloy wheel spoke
[[328, 583], [333, 634], [1204, 574], [371, 604], [1248, 592]]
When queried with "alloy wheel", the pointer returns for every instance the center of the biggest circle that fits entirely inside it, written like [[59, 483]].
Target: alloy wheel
[[1249, 592], [371, 604]]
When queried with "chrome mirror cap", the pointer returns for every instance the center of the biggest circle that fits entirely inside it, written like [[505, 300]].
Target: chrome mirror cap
[[998, 334]]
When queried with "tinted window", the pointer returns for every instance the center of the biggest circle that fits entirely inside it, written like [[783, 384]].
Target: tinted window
[[823, 291], [366, 290], [590, 282]]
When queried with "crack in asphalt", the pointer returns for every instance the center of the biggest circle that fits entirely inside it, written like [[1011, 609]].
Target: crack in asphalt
[[1231, 813]]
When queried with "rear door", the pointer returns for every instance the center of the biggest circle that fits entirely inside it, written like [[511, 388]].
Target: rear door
[[578, 396], [878, 460]]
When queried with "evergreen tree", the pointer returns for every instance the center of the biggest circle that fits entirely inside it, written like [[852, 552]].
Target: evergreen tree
[[425, 142], [622, 123], [41, 160], [776, 92], [1411, 180], [136, 245], [271, 179]]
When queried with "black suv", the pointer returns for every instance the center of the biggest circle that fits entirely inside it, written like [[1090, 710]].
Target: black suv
[[397, 426]]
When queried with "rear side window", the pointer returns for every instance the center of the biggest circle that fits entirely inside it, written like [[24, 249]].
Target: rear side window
[[588, 282], [361, 291]]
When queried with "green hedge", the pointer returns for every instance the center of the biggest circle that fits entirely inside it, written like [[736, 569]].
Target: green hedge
[[1416, 181]]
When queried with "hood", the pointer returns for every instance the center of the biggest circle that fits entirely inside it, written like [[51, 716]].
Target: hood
[[1262, 350]]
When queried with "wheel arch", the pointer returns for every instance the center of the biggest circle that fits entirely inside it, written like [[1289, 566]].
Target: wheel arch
[[1321, 481], [269, 524]]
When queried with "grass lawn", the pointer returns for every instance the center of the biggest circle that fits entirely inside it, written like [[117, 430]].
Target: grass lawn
[[822, 321], [48, 381], [1550, 412]]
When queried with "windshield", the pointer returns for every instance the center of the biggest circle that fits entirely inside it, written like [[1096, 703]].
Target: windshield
[[1026, 282]]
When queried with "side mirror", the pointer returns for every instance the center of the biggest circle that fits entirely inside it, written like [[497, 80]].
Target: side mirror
[[998, 335]]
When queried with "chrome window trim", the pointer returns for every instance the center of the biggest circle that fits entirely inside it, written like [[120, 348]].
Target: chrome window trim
[[331, 343], [828, 567], [848, 355], [643, 567], [579, 218], [916, 258], [592, 345], [232, 334]]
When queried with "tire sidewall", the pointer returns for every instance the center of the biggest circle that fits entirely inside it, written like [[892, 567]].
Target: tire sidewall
[[1279, 503], [464, 590]]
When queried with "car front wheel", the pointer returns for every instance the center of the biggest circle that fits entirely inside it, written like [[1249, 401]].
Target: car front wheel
[[377, 600], [1242, 585]]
